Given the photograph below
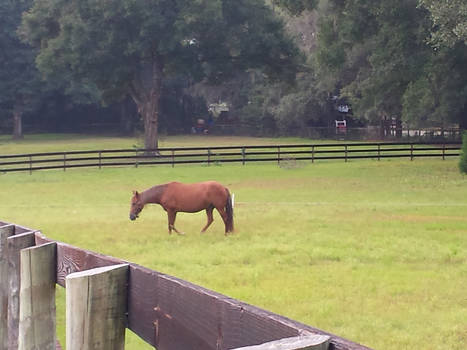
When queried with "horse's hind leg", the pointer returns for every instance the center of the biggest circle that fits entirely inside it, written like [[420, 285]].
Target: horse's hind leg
[[210, 218], [223, 215], [172, 215]]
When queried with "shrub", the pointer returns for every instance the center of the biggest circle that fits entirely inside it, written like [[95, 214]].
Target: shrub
[[463, 159]]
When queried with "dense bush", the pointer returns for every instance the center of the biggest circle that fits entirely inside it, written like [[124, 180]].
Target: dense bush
[[463, 159]]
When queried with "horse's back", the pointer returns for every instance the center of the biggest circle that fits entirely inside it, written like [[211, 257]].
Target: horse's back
[[197, 186]]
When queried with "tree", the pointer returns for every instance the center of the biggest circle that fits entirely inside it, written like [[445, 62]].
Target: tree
[[296, 6], [374, 50], [438, 95], [20, 85], [463, 158], [128, 47], [449, 21], [376, 53]]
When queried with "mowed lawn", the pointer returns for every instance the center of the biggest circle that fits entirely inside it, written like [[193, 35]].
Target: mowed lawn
[[373, 251]]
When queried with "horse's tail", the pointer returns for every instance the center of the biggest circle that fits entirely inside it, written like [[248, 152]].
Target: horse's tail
[[229, 225]]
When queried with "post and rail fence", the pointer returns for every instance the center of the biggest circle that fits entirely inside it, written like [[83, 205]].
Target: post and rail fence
[[227, 154], [105, 296]]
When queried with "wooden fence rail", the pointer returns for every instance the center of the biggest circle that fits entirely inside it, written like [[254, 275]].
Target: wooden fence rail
[[227, 154], [105, 294]]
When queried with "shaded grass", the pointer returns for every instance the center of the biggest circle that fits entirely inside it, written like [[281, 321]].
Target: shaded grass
[[372, 251], [79, 142]]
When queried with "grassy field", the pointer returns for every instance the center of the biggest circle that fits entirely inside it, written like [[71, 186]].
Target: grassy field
[[375, 252]]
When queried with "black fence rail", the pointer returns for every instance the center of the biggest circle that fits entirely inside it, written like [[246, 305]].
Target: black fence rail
[[227, 154]]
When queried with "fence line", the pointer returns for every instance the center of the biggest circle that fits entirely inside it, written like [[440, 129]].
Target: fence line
[[226, 154], [165, 311]]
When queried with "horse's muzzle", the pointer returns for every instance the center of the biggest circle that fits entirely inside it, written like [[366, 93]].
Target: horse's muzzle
[[133, 217]]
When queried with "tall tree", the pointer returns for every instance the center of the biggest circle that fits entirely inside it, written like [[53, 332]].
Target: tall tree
[[375, 49], [128, 47], [20, 85], [441, 93], [438, 95]]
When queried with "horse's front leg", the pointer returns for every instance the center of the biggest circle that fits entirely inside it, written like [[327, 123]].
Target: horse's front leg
[[172, 215]]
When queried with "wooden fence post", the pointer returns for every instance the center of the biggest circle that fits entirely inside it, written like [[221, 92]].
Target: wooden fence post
[[96, 306], [37, 298], [15, 244], [309, 342], [5, 232]]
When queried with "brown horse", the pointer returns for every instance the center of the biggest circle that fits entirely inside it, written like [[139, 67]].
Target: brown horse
[[189, 198]]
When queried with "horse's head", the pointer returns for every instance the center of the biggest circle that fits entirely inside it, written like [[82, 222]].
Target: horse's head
[[136, 205]]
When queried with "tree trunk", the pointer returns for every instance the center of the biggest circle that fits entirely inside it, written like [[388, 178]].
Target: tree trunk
[[17, 123], [463, 118], [150, 114], [146, 92]]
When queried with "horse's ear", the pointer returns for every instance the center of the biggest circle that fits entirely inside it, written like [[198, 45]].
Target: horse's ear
[[135, 193]]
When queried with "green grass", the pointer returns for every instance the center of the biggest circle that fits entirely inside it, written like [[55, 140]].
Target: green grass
[[77, 142], [375, 252]]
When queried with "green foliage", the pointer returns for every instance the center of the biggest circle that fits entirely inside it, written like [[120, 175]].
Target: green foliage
[[463, 158], [296, 6], [375, 53], [437, 96], [129, 47], [20, 84], [285, 109], [449, 21], [110, 43]]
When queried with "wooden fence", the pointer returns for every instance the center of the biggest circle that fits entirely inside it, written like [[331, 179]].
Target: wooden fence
[[228, 154], [105, 295]]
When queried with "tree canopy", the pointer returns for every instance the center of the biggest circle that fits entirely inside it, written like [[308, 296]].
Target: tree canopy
[[449, 21], [402, 59], [20, 85], [377, 55], [128, 47]]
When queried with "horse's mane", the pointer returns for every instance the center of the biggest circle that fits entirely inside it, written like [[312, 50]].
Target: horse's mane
[[154, 193]]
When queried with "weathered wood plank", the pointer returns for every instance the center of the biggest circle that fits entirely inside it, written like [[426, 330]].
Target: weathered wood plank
[[5, 232], [310, 342], [37, 321], [15, 244], [96, 306]]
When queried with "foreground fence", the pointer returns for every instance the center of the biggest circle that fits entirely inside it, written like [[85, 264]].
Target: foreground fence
[[105, 295], [228, 154]]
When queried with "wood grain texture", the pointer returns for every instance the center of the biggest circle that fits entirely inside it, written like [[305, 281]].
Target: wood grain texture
[[15, 244], [311, 342], [96, 306], [5, 232], [37, 321]]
